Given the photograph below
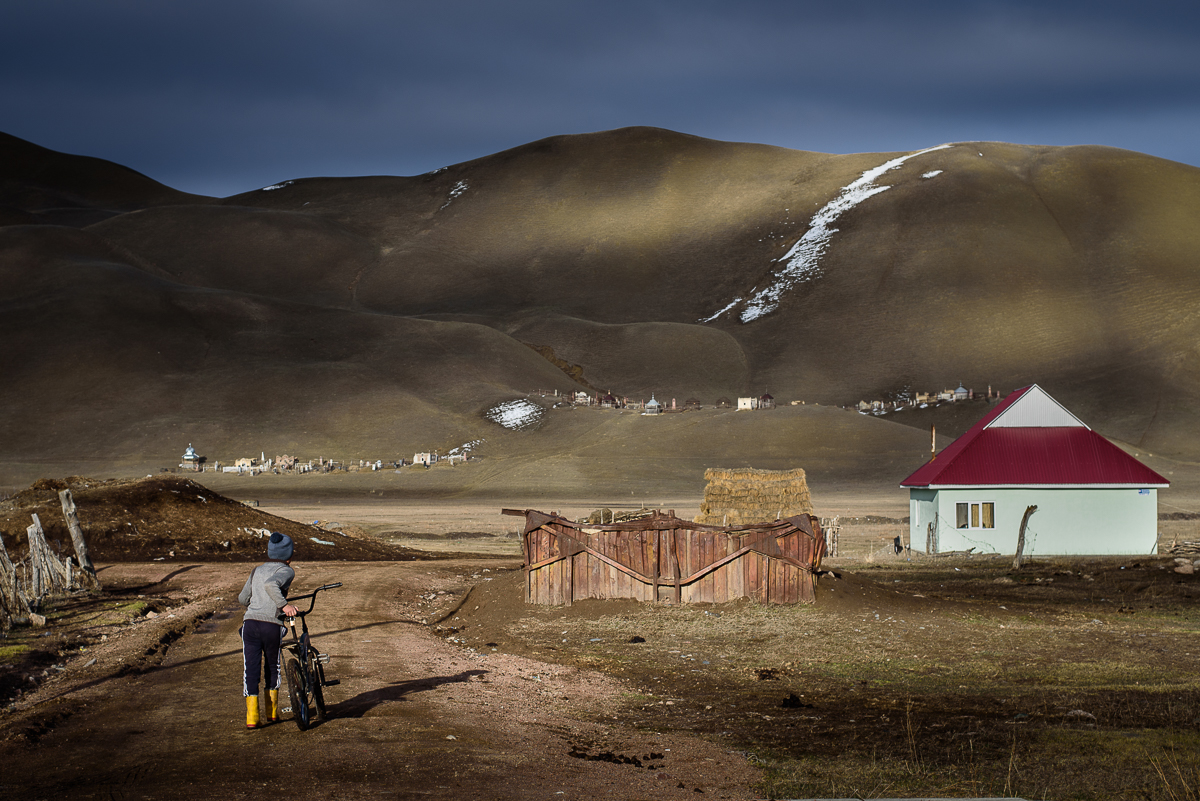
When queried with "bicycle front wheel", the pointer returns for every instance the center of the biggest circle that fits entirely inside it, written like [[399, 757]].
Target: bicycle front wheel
[[299, 694]]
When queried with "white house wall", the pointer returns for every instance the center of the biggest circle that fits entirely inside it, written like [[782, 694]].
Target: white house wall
[[1067, 521], [922, 510]]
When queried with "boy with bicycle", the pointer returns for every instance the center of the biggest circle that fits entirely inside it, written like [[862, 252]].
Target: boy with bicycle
[[265, 599]]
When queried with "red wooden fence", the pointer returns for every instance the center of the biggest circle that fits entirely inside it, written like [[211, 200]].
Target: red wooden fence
[[668, 559]]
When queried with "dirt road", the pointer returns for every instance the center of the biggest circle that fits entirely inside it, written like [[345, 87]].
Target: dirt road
[[159, 712]]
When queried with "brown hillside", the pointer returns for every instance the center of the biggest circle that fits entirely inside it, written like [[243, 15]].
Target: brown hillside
[[104, 361], [374, 316], [1071, 267], [284, 255], [62, 189]]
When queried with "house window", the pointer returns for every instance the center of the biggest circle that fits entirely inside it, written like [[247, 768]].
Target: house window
[[975, 515]]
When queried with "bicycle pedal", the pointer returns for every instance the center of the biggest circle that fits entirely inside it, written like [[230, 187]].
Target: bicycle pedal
[[323, 659], [332, 682]]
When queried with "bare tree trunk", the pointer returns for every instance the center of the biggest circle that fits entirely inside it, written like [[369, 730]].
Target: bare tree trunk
[[1021, 538], [81, 550]]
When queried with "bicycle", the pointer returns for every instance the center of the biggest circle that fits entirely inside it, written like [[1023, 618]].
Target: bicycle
[[305, 667]]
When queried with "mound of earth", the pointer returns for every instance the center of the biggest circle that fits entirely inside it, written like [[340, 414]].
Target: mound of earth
[[171, 518]]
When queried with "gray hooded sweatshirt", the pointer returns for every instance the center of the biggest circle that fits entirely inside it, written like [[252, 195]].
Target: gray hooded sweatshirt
[[266, 591]]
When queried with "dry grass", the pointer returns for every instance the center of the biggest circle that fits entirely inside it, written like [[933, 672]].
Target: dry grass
[[922, 678], [740, 496]]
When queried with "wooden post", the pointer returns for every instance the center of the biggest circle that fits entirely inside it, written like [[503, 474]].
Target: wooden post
[[81, 549], [1021, 538], [12, 603], [50, 575]]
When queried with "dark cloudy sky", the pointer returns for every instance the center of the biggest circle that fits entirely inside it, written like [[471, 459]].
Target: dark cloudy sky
[[222, 97]]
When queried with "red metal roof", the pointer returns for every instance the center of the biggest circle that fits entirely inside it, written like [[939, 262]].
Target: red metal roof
[[1032, 456]]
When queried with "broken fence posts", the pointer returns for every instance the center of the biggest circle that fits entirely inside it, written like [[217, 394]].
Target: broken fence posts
[[87, 569], [12, 603]]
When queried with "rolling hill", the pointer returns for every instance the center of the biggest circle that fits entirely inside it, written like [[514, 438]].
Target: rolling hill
[[376, 316]]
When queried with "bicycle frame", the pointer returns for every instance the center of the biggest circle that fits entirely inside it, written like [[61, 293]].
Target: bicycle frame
[[306, 667]]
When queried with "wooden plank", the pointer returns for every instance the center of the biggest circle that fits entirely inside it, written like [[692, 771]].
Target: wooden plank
[[568, 566], [553, 592], [675, 570], [631, 552], [753, 579], [721, 574], [762, 569], [705, 547], [549, 561], [624, 555], [609, 579], [558, 575], [735, 572], [587, 568], [646, 543], [689, 559], [596, 574], [541, 585], [656, 568], [544, 573]]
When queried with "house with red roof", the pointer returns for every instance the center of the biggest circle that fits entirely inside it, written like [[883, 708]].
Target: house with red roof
[[1091, 496]]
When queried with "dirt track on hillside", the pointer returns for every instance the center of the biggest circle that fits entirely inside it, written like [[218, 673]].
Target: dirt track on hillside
[[159, 713]]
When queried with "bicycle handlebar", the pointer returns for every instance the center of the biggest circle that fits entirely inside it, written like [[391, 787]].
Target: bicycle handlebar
[[313, 596]]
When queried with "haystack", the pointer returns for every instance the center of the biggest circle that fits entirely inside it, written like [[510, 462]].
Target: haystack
[[739, 496]]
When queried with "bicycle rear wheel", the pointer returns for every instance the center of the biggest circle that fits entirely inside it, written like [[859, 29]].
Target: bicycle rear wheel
[[299, 694]]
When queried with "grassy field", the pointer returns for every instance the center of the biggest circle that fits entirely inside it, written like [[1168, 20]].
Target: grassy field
[[926, 677]]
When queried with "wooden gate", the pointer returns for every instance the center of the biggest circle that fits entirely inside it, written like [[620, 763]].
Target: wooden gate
[[667, 559]]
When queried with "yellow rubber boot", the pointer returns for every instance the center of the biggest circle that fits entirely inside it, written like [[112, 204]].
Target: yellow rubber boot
[[273, 697], [251, 711]]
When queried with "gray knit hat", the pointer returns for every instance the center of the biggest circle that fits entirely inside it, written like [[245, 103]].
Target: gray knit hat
[[279, 547]]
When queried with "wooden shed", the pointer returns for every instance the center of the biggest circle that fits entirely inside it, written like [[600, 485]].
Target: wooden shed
[[663, 558]]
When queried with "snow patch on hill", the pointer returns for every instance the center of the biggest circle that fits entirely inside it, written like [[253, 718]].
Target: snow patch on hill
[[458, 189], [801, 264], [516, 415]]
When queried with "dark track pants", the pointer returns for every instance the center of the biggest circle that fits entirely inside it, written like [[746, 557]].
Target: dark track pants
[[261, 642]]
